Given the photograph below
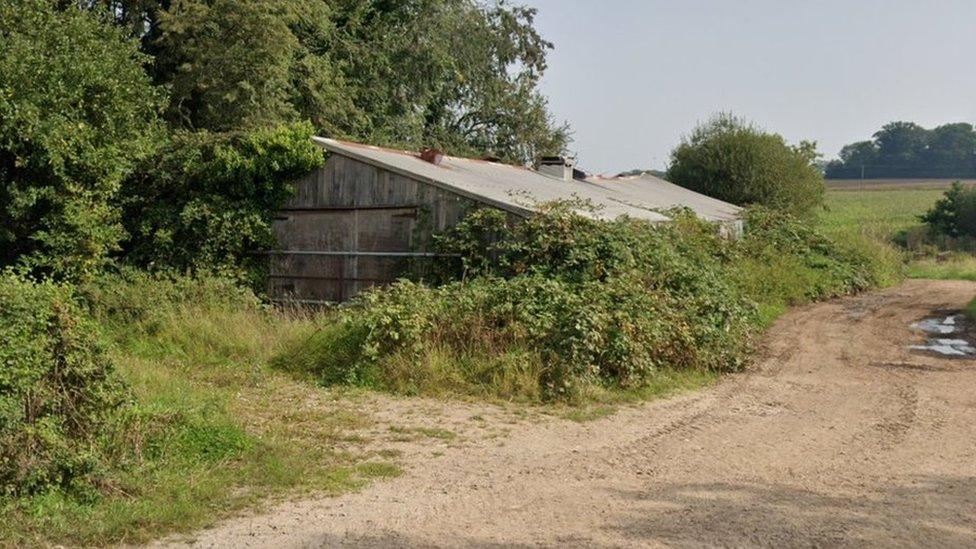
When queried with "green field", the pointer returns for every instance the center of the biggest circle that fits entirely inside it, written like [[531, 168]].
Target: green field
[[884, 213], [878, 213]]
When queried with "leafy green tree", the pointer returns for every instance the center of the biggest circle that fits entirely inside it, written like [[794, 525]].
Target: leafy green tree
[[855, 159], [460, 75], [905, 149], [449, 73], [76, 113], [207, 200], [900, 147], [951, 151], [322, 88], [732, 160], [954, 214], [227, 63]]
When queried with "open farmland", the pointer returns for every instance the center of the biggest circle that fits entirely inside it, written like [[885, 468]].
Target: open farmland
[[888, 184], [879, 213], [882, 214]]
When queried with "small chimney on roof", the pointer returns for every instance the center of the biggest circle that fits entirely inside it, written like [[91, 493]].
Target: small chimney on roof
[[433, 156], [560, 167]]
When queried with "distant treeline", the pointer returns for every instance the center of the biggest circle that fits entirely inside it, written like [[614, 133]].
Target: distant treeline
[[639, 172], [907, 150]]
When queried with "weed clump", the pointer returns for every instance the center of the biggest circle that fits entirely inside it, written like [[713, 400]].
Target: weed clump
[[204, 426], [59, 392], [566, 307]]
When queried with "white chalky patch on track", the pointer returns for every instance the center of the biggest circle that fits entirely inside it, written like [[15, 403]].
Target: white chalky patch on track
[[943, 346], [936, 326]]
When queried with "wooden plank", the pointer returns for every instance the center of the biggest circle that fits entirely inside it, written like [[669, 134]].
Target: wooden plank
[[349, 207]]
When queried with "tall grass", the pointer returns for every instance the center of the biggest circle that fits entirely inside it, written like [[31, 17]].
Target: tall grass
[[891, 217], [878, 214], [956, 266], [213, 428]]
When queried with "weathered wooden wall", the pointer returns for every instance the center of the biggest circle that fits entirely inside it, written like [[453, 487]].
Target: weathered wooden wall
[[351, 225]]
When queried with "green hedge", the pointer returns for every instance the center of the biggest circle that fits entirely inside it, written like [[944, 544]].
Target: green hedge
[[206, 201]]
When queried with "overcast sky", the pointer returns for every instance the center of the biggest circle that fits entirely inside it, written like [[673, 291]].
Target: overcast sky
[[632, 76]]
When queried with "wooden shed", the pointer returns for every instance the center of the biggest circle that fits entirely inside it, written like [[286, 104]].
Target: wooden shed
[[361, 218]]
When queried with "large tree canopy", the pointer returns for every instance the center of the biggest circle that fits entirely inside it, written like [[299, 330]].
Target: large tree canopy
[[452, 74], [905, 149], [455, 74], [449, 73], [227, 64], [108, 107], [77, 112], [734, 161]]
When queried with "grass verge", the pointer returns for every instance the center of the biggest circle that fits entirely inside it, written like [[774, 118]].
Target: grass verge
[[893, 214], [956, 266], [212, 430]]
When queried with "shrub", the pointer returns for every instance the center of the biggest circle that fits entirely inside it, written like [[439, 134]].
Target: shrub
[[210, 427], [76, 113], [954, 215], [58, 389], [737, 162], [783, 261], [562, 306], [843, 268], [598, 302], [207, 201]]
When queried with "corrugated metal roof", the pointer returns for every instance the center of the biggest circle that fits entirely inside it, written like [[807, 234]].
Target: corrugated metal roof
[[649, 189], [520, 190]]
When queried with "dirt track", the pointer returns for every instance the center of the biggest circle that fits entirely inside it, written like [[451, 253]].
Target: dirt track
[[840, 436]]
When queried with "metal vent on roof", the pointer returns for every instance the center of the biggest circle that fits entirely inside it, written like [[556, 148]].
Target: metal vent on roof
[[560, 167]]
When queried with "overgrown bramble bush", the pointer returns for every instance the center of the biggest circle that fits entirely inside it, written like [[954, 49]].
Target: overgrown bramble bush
[[58, 389], [558, 305], [814, 265]]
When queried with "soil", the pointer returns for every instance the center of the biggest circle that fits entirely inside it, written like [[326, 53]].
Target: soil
[[838, 435]]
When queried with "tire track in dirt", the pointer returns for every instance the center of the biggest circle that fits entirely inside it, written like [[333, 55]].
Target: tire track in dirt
[[839, 436]]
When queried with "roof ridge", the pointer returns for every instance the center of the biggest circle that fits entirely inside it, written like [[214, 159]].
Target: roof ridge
[[416, 154]]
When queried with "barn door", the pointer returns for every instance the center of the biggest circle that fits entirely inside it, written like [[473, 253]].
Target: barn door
[[331, 254]]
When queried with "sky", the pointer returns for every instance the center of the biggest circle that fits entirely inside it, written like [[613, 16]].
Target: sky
[[632, 77]]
